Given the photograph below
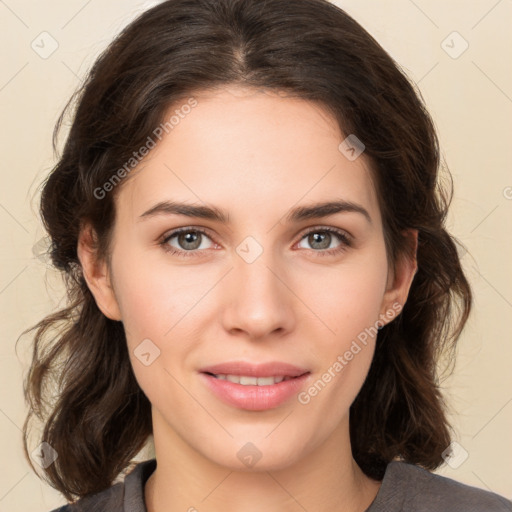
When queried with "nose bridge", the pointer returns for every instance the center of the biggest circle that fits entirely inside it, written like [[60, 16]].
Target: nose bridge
[[260, 301]]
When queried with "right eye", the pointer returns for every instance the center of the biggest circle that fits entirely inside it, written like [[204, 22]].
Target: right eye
[[188, 241]]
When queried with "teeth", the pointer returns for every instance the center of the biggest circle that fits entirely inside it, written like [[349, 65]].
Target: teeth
[[252, 381]]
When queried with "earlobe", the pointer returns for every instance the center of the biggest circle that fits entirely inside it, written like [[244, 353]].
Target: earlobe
[[400, 279], [96, 274]]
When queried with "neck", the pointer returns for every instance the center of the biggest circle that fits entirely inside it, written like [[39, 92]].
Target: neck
[[326, 479]]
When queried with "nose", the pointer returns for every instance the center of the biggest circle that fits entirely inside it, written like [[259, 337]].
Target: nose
[[258, 302]]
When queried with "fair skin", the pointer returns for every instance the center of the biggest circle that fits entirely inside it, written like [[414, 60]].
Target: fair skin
[[255, 155]]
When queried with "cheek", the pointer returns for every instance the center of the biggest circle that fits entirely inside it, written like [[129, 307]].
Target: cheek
[[349, 305], [154, 298], [343, 357], [349, 298]]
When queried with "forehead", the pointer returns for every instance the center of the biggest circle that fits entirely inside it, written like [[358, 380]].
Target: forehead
[[249, 151]]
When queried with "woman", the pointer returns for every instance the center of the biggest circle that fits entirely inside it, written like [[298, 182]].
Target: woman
[[248, 212]]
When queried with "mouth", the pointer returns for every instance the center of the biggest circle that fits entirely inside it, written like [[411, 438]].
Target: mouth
[[247, 380], [254, 387]]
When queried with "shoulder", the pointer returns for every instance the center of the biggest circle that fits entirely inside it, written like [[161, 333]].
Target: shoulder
[[110, 500], [415, 489], [126, 496]]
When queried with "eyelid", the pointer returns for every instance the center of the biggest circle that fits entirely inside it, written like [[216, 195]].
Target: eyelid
[[331, 229]]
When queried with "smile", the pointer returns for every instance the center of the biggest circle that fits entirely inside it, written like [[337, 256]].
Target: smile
[[254, 393], [247, 380]]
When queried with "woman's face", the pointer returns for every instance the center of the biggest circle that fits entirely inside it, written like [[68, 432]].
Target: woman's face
[[267, 291]]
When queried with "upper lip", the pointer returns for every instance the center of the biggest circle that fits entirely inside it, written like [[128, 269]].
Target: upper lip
[[271, 369]]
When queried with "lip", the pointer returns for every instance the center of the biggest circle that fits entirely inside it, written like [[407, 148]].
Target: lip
[[271, 369], [254, 398]]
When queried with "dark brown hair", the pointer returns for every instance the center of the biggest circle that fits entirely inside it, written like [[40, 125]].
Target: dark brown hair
[[81, 384]]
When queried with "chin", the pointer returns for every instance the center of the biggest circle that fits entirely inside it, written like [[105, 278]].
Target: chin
[[257, 455]]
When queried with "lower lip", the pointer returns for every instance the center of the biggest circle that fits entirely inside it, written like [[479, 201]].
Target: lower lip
[[254, 398]]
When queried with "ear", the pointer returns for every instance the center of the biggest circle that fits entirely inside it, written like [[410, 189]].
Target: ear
[[400, 278], [96, 273]]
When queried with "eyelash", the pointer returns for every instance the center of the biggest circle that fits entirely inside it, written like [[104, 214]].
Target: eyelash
[[344, 238]]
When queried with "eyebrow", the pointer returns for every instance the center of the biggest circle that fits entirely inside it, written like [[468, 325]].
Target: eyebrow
[[300, 213]]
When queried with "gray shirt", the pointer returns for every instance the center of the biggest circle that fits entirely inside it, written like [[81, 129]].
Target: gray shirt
[[405, 488]]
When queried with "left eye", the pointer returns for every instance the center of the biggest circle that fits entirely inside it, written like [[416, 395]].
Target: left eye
[[321, 239]]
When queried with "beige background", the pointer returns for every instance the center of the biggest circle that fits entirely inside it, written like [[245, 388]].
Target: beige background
[[470, 97]]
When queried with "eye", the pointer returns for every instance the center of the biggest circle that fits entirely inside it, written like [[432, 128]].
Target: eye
[[320, 239], [188, 240]]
